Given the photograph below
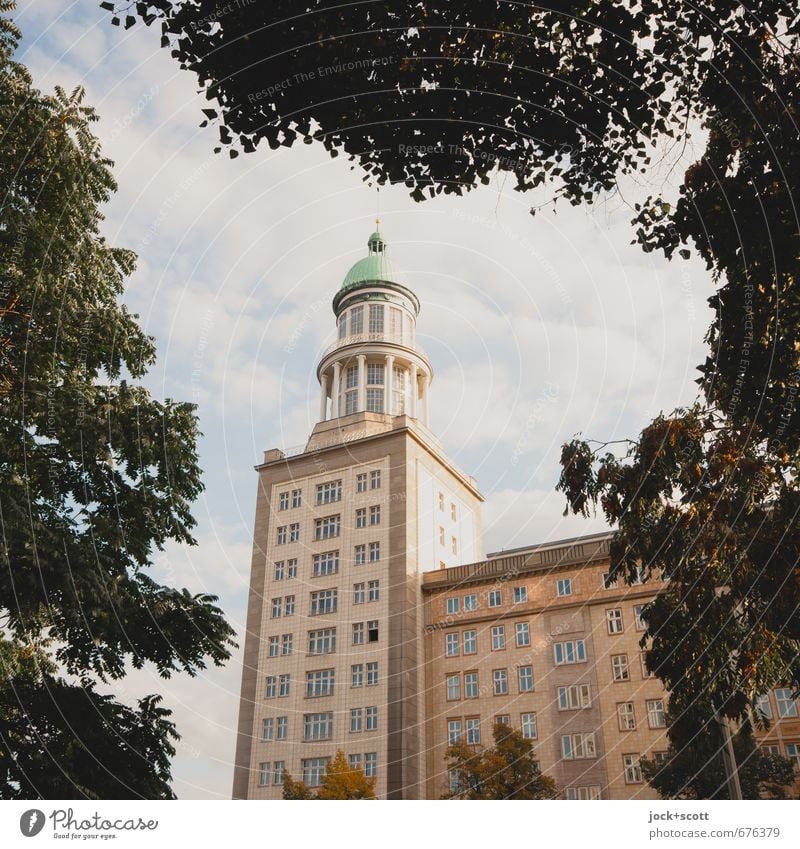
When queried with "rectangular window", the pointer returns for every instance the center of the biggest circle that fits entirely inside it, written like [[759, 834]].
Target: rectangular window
[[287, 644], [357, 675], [270, 687], [609, 580], [498, 637], [591, 791], [375, 515], [453, 514], [329, 492], [638, 622], [277, 607], [361, 482], [374, 588], [471, 685], [574, 697], [358, 633], [322, 642], [291, 568], [288, 606], [374, 552], [395, 323], [294, 532], [470, 642], [370, 764], [319, 683], [317, 726], [523, 634], [283, 501], [375, 374], [278, 771], [454, 545], [578, 746], [372, 673], [763, 706], [283, 685], [274, 647], [313, 771], [358, 593], [263, 773], [633, 772], [281, 537], [500, 678], [473, 728], [494, 598], [643, 660], [453, 732], [267, 728], [360, 555], [280, 571], [351, 378], [356, 320], [626, 716], [283, 728], [296, 497], [327, 528], [564, 586], [361, 517], [372, 631], [470, 602], [452, 604], [614, 621], [375, 400], [451, 645], [619, 667], [528, 723], [376, 318], [655, 713], [441, 536], [375, 479], [343, 326], [441, 501], [453, 687], [786, 704], [572, 651], [371, 718], [355, 761], [525, 678], [520, 595], [326, 563], [324, 601], [356, 720], [503, 719], [793, 753]]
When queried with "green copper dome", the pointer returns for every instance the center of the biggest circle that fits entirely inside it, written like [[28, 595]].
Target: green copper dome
[[374, 269]]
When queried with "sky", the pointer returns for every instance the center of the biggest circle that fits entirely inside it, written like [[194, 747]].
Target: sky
[[538, 327]]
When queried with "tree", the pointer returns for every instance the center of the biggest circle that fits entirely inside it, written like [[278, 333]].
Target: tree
[[295, 790], [506, 771], [696, 771], [95, 475], [341, 781]]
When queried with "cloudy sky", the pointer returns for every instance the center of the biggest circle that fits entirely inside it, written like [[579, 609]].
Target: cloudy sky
[[537, 327]]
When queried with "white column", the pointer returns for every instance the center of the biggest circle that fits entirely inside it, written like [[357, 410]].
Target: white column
[[362, 382], [426, 385], [323, 398], [337, 368], [388, 382], [414, 389]]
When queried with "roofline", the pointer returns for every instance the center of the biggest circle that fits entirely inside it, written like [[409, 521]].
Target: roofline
[[539, 546]]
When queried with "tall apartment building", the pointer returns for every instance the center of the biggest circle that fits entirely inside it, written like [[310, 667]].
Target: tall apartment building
[[376, 626]]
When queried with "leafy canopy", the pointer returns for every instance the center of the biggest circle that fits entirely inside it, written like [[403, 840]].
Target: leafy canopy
[[95, 474]]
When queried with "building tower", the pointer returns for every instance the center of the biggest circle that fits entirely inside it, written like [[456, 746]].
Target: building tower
[[344, 529]]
